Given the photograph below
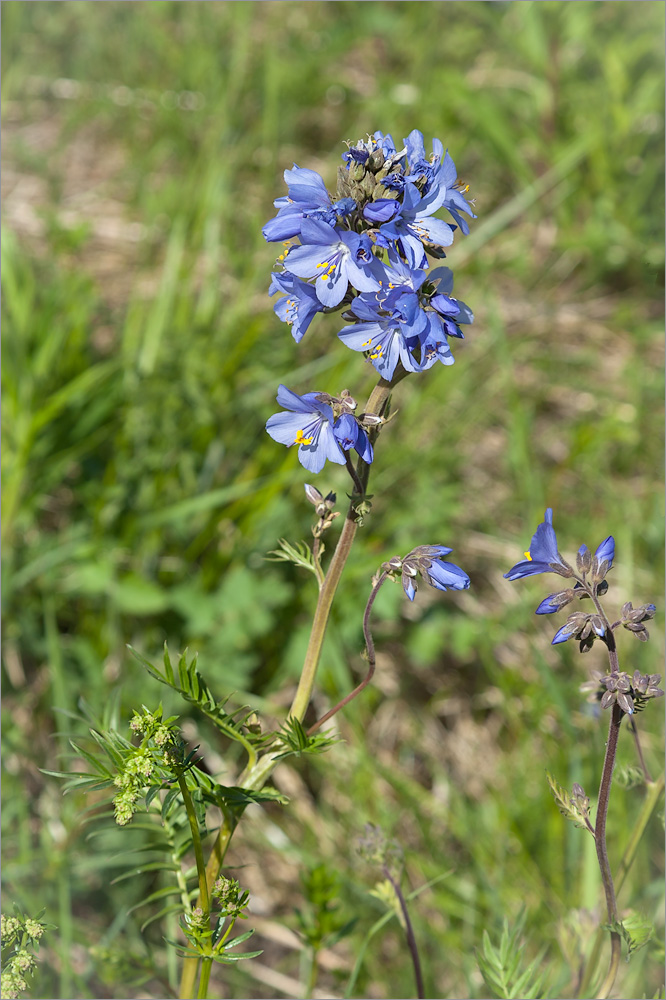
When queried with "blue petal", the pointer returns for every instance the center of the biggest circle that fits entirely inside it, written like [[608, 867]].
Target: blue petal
[[606, 551], [443, 575], [562, 635], [546, 608]]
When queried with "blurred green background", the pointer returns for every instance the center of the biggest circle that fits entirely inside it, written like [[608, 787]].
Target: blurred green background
[[144, 144]]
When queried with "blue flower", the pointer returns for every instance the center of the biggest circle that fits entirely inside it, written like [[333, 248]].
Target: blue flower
[[307, 199], [334, 259], [300, 305], [363, 150], [350, 434], [439, 175], [383, 332], [311, 424], [426, 560], [542, 555], [411, 227]]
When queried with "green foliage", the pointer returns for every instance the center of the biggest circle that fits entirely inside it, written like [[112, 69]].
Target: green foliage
[[20, 938], [502, 966], [322, 923], [574, 806], [299, 742], [299, 554], [636, 931]]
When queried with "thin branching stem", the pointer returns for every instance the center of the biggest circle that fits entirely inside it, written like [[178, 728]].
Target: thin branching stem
[[409, 932], [633, 728], [370, 654], [358, 485]]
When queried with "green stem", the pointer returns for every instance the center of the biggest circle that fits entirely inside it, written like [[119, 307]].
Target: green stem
[[256, 774], [370, 653], [206, 966], [204, 895], [312, 975], [375, 407]]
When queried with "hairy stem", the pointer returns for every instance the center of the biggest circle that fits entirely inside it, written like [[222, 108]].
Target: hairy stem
[[409, 932], [654, 793], [602, 853]]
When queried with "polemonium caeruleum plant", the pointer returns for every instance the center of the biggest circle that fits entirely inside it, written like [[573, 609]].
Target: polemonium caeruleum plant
[[618, 691], [364, 253]]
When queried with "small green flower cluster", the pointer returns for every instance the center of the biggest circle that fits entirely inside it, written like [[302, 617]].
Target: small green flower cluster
[[18, 933], [139, 766], [232, 899]]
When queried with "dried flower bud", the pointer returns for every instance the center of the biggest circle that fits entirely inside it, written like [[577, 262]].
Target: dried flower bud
[[584, 560], [618, 691], [313, 494]]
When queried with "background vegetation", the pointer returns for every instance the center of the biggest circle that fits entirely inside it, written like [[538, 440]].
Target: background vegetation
[[143, 146]]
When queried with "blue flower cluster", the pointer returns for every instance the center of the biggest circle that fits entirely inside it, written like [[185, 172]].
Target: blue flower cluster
[[543, 557], [366, 252]]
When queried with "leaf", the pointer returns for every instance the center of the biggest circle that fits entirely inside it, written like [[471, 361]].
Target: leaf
[[299, 555], [500, 966], [636, 931], [293, 734], [172, 908], [225, 958], [153, 866]]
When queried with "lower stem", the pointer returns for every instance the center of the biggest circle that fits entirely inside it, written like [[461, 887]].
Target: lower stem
[[206, 966], [602, 853]]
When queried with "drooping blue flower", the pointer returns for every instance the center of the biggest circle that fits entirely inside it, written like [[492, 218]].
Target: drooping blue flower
[[427, 560], [311, 423], [334, 258], [543, 555], [308, 423], [307, 199], [350, 434], [300, 305]]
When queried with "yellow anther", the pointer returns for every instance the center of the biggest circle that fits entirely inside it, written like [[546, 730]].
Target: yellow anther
[[299, 439], [528, 556]]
